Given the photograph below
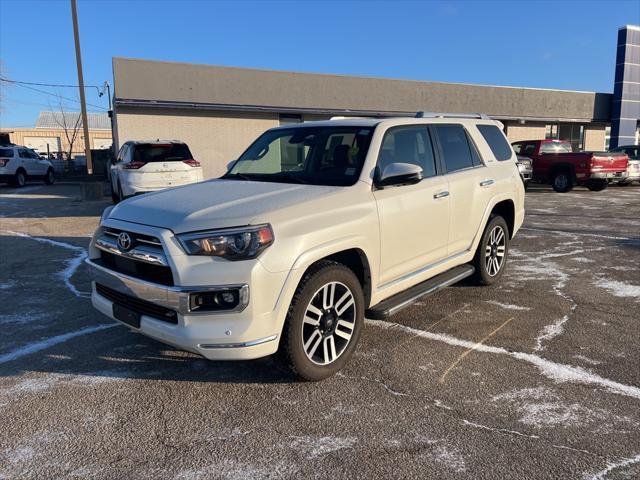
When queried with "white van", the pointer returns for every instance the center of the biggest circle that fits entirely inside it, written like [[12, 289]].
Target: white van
[[148, 166]]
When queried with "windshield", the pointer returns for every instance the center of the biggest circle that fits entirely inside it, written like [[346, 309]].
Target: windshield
[[314, 155], [157, 152]]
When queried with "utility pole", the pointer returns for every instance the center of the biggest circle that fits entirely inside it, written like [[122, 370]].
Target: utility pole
[[83, 104]]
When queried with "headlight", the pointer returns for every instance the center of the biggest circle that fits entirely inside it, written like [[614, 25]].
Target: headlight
[[232, 243], [105, 213]]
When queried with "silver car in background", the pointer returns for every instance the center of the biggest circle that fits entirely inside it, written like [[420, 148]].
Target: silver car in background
[[525, 167], [633, 168]]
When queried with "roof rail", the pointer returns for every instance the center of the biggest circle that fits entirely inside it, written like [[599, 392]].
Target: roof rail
[[482, 116]]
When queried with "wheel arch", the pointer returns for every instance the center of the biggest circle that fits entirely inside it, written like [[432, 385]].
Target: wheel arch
[[507, 210], [562, 167]]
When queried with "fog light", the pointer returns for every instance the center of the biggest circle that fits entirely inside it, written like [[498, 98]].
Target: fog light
[[228, 297], [214, 301]]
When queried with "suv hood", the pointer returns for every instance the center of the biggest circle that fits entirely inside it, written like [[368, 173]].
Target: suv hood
[[214, 204]]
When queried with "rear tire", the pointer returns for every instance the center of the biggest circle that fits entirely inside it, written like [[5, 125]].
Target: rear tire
[[597, 186], [49, 178], [562, 182], [114, 196], [492, 253], [324, 321], [624, 184], [19, 179]]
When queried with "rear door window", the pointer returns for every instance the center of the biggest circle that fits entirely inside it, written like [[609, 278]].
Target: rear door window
[[496, 141], [161, 152], [411, 144], [556, 147], [456, 150]]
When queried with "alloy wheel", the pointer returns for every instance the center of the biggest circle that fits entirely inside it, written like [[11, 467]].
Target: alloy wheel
[[495, 250], [328, 324]]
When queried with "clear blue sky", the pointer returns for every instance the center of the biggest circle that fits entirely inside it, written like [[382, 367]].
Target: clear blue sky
[[565, 45]]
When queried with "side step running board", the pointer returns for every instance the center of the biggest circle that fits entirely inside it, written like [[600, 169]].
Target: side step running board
[[401, 300]]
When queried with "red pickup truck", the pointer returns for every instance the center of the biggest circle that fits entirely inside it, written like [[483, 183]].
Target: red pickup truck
[[554, 162]]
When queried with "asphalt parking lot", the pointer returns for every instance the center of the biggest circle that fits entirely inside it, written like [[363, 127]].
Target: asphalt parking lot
[[537, 377]]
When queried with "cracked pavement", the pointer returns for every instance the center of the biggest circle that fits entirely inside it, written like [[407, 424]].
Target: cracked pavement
[[542, 370]]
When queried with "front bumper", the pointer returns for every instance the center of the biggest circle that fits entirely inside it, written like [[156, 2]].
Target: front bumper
[[220, 335]]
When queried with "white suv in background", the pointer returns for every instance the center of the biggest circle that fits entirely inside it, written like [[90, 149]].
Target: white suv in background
[[147, 166], [315, 226], [21, 164]]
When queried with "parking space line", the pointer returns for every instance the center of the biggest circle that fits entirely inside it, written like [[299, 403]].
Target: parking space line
[[50, 342], [464, 354]]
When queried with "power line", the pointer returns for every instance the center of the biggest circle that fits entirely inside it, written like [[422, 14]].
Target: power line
[[55, 95], [47, 84]]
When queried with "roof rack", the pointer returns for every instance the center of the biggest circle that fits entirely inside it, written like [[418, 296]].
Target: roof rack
[[482, 116]]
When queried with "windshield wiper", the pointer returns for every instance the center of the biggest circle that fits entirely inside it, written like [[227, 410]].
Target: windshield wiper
[[293, 178], [231, 176]]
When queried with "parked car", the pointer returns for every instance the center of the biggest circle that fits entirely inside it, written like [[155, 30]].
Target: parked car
[[314, 226], [18, 165], [633, 169], [525, 167], [554, 162], [148, 166]]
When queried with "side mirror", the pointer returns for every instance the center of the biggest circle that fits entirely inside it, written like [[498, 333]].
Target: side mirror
[[231, 164], [399, 174]]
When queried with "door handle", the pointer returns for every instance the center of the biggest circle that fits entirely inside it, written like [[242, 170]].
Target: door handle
[[441, 194], [487, 182]]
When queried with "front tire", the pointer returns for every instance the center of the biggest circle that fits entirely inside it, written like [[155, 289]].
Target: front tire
[[324, 321], [492, 253]]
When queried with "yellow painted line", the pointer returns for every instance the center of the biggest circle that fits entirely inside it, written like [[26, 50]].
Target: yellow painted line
[[468, 351]]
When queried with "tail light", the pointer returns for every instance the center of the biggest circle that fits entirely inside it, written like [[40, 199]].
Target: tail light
[[4, 161], [133, 165], [192, 162]]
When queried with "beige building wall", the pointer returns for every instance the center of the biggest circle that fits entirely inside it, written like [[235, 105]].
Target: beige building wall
[[22, 136], [214, 138], [594, 138], [516, 133]]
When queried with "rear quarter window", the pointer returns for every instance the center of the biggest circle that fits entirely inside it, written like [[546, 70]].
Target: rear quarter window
[[6, 152], [496, 141]]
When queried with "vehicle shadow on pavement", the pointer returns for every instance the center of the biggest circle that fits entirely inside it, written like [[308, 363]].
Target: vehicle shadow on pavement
[[117, 353]]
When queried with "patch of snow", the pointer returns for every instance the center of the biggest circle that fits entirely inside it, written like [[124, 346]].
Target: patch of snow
[[72, 265], [508, 306], [619, 289], [315, 447], [582, 260], [450, 458], [587, 360], [549, 332], [7, 285], [50, 342], [602, 474], [23, 318], [556, 371]]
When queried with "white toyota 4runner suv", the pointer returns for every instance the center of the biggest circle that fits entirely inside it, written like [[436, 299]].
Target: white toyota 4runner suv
[[315, 227]]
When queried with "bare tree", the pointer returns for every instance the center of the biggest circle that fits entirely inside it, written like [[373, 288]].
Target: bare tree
[[70, 128]]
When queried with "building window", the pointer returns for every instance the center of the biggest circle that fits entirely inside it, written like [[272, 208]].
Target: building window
[[551, 132], [607, 137], [573, 133], [287, 119]]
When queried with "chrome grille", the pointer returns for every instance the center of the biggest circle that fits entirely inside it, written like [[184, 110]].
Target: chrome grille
[[143, 258]]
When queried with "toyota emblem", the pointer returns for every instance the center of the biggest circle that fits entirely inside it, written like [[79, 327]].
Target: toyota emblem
[[124, 241]]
